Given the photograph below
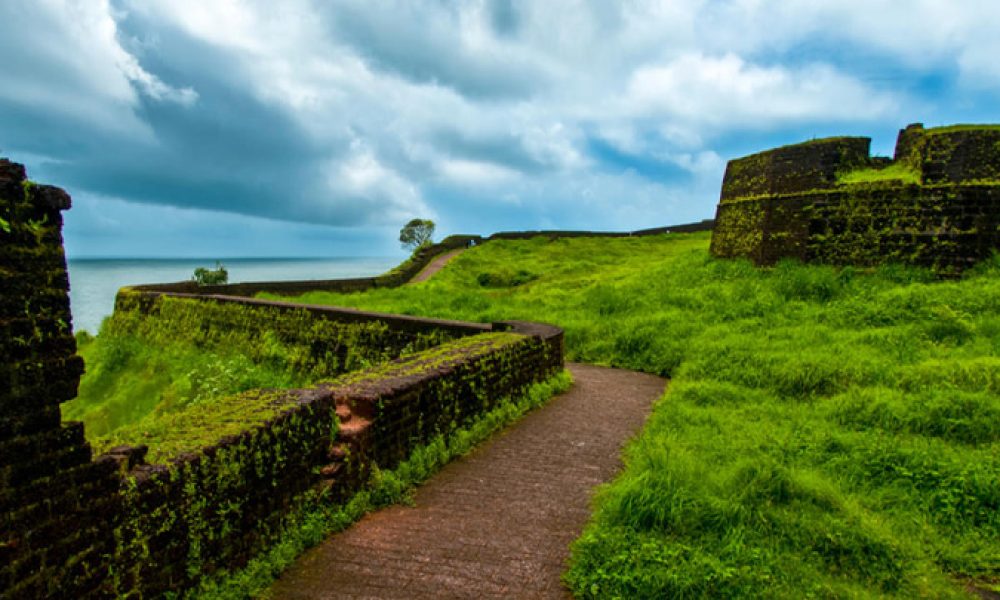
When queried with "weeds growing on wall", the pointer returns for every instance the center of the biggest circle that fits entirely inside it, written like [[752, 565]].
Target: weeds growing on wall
[[142, 367], [316, 519], [827, 433], [899, 172]]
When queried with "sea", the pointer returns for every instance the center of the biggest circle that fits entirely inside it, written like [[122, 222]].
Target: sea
[[95, 281]]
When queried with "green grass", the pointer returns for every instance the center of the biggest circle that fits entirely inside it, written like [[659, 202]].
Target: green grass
[[142, 369], [961, 127], [134, 377], [827, 432], [900, 172]]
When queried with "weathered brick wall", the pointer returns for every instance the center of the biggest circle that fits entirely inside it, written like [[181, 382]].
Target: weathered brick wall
[[797, 168], [216, 507], [406, 403], [960, 156], [947, 224], [944, 228], [55, 504], [322, 340], [119, 526]]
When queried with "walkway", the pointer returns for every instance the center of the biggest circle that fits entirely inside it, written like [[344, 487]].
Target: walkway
[[436, 265], [498, 522]]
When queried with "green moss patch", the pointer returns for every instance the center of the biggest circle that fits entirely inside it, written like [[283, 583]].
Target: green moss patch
[[960, 127], [437, 358], [161, 359], [196, 427], [899, 172]]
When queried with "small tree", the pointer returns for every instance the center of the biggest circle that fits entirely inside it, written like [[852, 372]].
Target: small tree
[[416, 233], [217, 276]]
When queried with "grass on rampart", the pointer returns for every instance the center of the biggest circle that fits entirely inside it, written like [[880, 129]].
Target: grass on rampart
[[135, 376], [196, 425], [827, 433], [144, 369], [898, 172]]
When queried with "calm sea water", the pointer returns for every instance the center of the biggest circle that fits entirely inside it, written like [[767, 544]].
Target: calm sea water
[[94, 282]]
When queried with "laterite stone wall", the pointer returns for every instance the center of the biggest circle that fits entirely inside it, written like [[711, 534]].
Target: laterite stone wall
[[55, 503], [796, 168], [409, 401], [147, 523], [947, 222], [216, 507]]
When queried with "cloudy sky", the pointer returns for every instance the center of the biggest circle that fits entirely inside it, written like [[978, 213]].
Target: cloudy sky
[[219, 128]]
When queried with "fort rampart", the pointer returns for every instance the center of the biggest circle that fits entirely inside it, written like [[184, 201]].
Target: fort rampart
[[935, 204], [140, 521]]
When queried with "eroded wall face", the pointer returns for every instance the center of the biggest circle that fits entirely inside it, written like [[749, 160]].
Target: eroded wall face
[[792, 169], [76, 527], [960, 156], [947, 222], [57, 508]]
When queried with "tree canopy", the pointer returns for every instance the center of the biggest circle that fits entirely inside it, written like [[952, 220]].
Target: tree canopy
[[416, 233]]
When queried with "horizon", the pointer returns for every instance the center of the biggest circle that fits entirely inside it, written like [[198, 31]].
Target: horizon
[[219, 259]]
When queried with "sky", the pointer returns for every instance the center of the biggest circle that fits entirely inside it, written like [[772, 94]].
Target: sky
[[224, 128]]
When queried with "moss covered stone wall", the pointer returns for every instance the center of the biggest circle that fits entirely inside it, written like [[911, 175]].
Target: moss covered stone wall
[[215, 483], [797, 168], [199, 509], [320, 340], [946, 221], [55, 503]]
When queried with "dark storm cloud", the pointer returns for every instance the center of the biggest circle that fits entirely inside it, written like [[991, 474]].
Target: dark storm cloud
[[502, 149], [421, 41], [504, 17]]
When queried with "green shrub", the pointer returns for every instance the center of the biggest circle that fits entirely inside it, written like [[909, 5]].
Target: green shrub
[[505, 278], [216, 276]]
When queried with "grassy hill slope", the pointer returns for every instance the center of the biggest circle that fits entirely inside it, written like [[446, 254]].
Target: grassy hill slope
[[827, 433]]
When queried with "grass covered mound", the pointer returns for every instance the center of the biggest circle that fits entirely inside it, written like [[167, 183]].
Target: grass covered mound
[[827, 433]]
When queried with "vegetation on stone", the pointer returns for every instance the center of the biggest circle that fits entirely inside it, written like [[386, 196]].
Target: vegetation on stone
[[144, 366], [902, 172], [933, 205], [316, 518], [827, 432]]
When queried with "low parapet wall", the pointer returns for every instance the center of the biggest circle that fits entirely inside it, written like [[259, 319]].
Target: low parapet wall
[[704, 225], [404, 329], [215, 507], [394, 278], [404, 272], [148, 521]]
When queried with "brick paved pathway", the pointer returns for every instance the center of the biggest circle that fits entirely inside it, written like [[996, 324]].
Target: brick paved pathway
[[436, 265], [498, 522]]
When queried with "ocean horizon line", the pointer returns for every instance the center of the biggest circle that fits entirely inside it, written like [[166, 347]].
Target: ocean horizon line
[[221, 259]]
